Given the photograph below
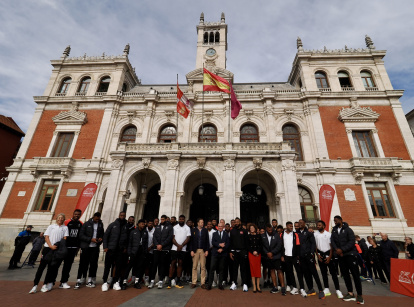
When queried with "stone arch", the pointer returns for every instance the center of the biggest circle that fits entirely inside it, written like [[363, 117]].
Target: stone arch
[[212, 120], [296, 120], [277, 180], [132, 171], [124, 122], [84, 75], [308, 185], [255, 120], [184, 175], [161, 123]]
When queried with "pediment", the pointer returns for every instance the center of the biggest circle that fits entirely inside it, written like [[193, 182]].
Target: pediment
[[355, 113], [197, 74], [71, 117]]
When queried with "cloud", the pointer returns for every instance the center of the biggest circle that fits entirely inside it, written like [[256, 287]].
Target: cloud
[[261, 39]]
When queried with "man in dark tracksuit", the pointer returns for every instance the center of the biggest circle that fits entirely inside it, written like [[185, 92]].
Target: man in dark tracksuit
[[137, 248], [290, 259], [72, 243], [113, 250], [91, 236], [389, 250], [238, 254], [307, 259], [343, 243], [162, 240], [22, 239], [36, 249]]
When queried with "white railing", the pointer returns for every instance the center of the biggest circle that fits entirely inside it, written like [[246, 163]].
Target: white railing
[[133, 94], [80, 94], [348, 88], [371, 89], [328, 89], [100, 93], [288, 91], [60, 94]]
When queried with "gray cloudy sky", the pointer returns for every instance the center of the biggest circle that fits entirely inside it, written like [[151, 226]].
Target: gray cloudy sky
[[162, 34]]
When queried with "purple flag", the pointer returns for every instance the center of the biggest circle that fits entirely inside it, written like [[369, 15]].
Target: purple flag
[[235, 104]]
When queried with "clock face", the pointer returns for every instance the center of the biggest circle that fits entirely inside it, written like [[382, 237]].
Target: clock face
[[210, 52]]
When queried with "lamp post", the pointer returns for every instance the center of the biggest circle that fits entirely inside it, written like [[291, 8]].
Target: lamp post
[[201, 187], [144, 186], [258, 188]]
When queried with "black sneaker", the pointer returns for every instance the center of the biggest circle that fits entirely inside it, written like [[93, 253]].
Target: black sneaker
[[179, 284], [77, 286], [321, 295], [360, 300], [283, 291], [137, 285], [274, 290], [124, 286], [311, 292], [349, 298], [168, 284]]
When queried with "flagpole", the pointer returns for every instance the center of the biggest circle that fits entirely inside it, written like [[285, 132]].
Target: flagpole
[[202, 111], [176, 130], [229, 115]]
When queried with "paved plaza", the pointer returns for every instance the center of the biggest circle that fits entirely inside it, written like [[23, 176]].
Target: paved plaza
[[15, 286]]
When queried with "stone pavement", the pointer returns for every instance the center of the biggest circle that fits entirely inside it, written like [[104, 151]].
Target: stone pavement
[[15, 285]]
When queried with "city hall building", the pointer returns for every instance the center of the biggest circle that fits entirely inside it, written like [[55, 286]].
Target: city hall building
[[337, 120]]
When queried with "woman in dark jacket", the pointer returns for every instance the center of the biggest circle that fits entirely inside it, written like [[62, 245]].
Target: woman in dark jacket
[[409, 248], [377, 259], [254, 248]]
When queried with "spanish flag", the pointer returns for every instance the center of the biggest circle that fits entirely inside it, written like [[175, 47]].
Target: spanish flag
[[214, 83]]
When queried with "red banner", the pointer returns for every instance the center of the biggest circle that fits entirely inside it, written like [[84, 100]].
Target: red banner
[[87, 193], [326, 197], [402, 276]]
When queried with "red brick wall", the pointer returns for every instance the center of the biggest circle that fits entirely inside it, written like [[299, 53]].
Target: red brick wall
[[388, 132], [353, 212], [66, 204], [406, 196], [86, 140], [17, 205], [335, 134]]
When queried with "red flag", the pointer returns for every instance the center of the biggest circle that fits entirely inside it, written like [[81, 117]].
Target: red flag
[[214, 83], [326, 196], [183, 104], [87, 193], [235, 104]]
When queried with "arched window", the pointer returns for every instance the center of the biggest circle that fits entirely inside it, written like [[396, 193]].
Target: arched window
[[84, 85], [168, 134], [208, 134], [309, 211], [124, 87], [321, 80], [249, 134], [205, 37], [211, 38], [64, 86], [104, 84], [344, 79], [217, 37], [291, 135], [367, 79], [129, 134]]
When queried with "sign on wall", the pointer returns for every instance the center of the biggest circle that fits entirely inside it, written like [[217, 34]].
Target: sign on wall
[[349, 195], [72, 192]]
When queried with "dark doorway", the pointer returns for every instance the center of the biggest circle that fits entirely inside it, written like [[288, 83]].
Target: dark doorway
[[152, 207], [253, 208], [205, 206]]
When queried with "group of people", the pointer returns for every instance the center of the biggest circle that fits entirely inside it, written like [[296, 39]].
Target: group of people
[[176, 248]]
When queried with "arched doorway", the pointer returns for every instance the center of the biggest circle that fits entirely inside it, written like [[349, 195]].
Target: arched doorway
[[253, 207], [204, 206], [152, 206]]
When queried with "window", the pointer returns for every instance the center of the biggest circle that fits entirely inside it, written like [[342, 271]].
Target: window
[[129, 135], [64, 86], [104, 85], [47, 195], [168, 134], [84, 85], [367, 79], [363, 144], [291, 135], [344, 79], [321, 80], [63, 144], [208, 134], [249, 134], [217, 37], [205, 37], [309, 211], [124, 87], [211, 38], [379, 200]]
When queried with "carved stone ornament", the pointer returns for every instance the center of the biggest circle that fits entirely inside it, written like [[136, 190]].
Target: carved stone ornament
[[169, 115], [172, 164], [117, 163], [288, 165], [201, 162], [355, 113], [358, 175], [257, 162], [289, 114], [248, 113], [299, 177], [236, 134], [349, 195], [72, 117], [229, 164], [396, 177], [146, 162]]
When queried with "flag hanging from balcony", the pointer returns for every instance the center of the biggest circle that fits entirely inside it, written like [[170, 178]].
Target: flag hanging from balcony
[[214, 83], [183, 104], [235, 104]]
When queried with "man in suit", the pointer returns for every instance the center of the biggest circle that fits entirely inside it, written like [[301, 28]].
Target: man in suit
[[272, 250], [199, 252], [219, 251]]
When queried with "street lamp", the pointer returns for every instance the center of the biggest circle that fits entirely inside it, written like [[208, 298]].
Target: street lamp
[[258, 188], [144, 186], [201, 187]]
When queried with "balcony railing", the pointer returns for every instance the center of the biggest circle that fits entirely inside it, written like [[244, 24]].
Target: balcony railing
[[100, 93], [80, 94], [60, 94], [328, 89], [348, 88], [371, 89]]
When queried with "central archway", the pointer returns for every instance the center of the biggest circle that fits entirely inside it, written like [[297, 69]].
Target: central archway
[[253, 207], [152, 206], [205, 206]]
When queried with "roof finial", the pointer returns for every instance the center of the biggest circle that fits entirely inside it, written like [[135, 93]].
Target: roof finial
[[126, 49], [223, 18], [369, 42], [299, 44], [202, 18], [67, 51]]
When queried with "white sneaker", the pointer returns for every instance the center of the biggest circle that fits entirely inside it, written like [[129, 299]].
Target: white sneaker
[[146, 280], [303, 293], [116, 286], [151, 285], [160, 285], [34, 290], [339, 294], [288, 289], [233, 286], [245, 288], [64, 286], [49, 286], [44, 289], [173, 283], [327, 292], [279, 288], [294, 291], [214, 284], [105, 287]]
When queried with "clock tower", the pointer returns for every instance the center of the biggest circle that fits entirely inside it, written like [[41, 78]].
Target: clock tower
[[211, 43]]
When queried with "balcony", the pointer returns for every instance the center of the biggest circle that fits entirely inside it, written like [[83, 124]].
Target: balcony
[[51, 165], [60, 94], [100, 93], [327, 89], [348, 89], [371, 89], [80, 94]]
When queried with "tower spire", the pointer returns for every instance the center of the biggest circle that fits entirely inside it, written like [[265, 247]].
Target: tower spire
[[369, 42], [223, 18], [299, 44], [202, 18]]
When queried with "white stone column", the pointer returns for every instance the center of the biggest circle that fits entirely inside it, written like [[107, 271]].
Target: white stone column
[[228, 207], [168, 200], [404, 127], [317, 136], [289, 201]]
